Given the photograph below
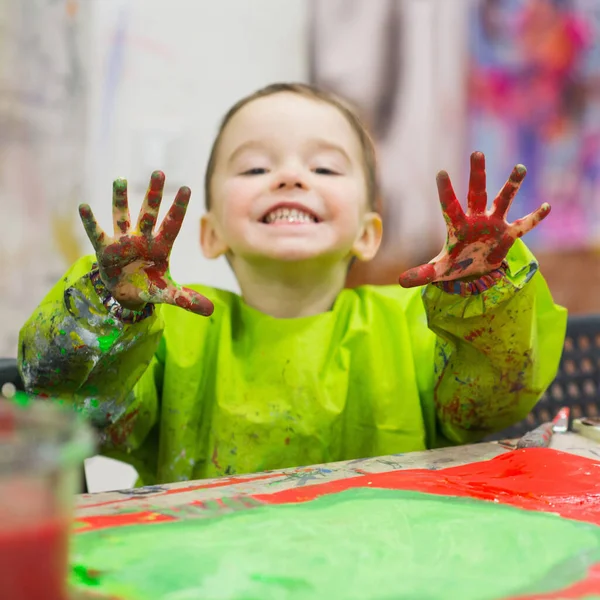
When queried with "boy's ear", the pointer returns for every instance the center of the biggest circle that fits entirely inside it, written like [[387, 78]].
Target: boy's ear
[[366, 246], [211, 241]]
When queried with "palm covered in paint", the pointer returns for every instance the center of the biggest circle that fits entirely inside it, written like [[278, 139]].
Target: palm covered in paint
[[477, 241], [134, 263]]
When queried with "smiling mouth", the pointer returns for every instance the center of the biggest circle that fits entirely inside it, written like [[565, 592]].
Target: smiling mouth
[[289, 216]]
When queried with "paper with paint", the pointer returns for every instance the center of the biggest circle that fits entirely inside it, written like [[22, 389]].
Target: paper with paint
[[347, 545], [478, 240], [374, 536]]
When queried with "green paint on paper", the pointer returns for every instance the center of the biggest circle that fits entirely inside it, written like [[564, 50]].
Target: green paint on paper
[[362, 543], [106, 342], [86, 576]]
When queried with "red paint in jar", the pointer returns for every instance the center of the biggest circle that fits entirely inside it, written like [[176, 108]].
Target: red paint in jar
[[34, 560]]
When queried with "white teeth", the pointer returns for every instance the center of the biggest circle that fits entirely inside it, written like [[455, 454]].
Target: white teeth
[[289, 215]]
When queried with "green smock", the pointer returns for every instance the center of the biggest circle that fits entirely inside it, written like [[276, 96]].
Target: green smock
[[386, 370]]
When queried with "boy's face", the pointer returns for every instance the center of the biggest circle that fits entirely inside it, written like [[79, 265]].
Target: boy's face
[[289, 185]]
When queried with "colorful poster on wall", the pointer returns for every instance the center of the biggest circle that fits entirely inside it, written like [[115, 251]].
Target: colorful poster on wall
[[42, 143], [534, 98]]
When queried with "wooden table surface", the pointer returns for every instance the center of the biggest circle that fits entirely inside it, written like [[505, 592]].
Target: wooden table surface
[[169, 496]]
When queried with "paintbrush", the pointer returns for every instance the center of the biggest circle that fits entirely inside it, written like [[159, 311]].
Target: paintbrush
[[541, 436]]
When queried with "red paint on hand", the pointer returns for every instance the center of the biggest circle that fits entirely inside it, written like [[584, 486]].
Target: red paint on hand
[[478, 240], [134, 264], [417, 276], [194, 302]]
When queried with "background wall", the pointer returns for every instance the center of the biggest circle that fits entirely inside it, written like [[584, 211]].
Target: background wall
[[516, 79], [44, 55]]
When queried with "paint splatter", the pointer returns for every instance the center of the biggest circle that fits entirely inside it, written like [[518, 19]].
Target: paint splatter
[[105, 342]]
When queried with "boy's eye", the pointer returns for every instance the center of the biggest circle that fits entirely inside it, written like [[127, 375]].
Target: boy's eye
[[255, 171], [324, 171]]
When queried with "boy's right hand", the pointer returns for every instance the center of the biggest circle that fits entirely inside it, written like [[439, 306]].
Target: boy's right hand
[[134, 264]]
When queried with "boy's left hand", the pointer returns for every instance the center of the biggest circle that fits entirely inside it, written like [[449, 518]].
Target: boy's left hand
[[479, 240]]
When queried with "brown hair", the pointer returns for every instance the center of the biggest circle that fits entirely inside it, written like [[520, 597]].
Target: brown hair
[[308, 91]]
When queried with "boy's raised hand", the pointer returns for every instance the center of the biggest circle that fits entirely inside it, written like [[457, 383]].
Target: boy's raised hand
[[478, 241], [134, 263]]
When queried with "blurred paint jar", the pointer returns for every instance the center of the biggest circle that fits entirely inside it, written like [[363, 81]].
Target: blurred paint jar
[[42, 449]]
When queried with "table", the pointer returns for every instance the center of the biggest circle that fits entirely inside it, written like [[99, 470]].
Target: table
[[169, 496]]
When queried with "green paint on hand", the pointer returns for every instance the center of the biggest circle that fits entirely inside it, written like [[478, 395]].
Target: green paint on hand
[[139, 280], [362, 543], [106, 342]]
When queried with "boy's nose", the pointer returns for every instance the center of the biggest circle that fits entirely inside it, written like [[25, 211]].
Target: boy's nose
[[289, 184], [289, 180]]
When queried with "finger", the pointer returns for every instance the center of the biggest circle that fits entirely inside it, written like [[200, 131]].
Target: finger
[[508, 192], [477, 197], [451, 208], [522, 226], [418, 276], [94, 232], [151, 204], [121, 218], [171, 225], [188, 300]]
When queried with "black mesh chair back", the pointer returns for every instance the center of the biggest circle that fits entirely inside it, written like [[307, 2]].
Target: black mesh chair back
[[9, 373]]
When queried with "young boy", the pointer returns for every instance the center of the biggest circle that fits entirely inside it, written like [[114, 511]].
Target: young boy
[[298, 370]]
